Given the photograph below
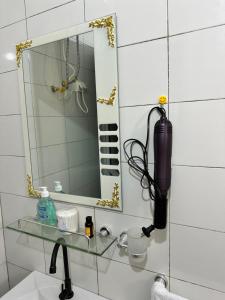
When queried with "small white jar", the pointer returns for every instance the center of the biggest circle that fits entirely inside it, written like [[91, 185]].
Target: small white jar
[[68, 220]]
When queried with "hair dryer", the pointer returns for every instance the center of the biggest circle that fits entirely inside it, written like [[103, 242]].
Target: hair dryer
[[159, 185]]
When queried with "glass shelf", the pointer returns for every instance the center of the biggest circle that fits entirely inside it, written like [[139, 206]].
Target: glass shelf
[[96, 245]]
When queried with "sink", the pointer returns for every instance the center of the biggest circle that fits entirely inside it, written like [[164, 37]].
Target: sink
[[38, 286]]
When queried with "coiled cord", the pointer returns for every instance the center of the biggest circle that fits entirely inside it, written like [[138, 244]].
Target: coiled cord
[[140, 164]]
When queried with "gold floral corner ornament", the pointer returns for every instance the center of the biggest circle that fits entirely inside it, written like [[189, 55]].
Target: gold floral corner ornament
[[111, 99], [30, 188], [19, 50], [107, 23], [114, 203]]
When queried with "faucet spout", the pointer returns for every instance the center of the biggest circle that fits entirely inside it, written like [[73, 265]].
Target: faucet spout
[[67, 292]]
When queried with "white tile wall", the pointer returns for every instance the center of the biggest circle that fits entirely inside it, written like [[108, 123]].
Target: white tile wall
[[197, 197], [196, 60], [9, 100], [33, 7], [198, 256], [189, 15], [119, 281], [11, 11], [139, 20], [4, 284], [193, 291], [198, 131], [10, 135], [9, 37], [191, 253], [144, 68], [59, 18], [16, 274]]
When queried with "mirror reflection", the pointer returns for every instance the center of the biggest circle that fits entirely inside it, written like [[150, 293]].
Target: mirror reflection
[[61, 107]]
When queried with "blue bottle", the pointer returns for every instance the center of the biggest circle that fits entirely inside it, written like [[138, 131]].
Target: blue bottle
[[46, 208], [42, 206]]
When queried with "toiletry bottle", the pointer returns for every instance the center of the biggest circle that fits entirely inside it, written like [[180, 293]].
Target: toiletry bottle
[[42, 206], [58, 187], [89, 227]]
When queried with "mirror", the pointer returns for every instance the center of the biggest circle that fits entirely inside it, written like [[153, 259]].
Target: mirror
[[69, 101]]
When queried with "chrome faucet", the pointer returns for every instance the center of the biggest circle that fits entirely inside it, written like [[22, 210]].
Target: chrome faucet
[[67, 292]]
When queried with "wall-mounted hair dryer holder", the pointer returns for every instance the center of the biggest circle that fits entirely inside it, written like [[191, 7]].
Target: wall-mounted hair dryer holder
[[159, 185]]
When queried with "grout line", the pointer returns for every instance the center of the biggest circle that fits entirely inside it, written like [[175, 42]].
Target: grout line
[[133, 265], [197, 100], [8, 155], [4, 72], [196, 227], [192, 166], [196, 30], [137, 105], [3, 233], [52, 8], [197, 284], [84, 1], [25, 8], [142, 42], [10, 115], [168, 89], [96, 258], [177, 102], [10, 24], [60, 144], [9, 262]]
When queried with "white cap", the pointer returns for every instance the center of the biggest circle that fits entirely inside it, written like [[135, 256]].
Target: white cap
[[58, 186], [44, 191]]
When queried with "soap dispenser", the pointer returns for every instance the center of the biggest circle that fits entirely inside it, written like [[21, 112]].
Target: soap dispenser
[[46, 208], [42, 206]]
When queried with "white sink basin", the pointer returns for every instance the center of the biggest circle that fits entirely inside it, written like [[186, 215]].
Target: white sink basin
[[38, 286]]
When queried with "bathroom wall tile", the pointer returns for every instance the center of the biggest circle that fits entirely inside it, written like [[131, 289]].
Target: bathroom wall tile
[[139, 20], [52, 159], [41, 101], [29, 252], [197, 131], [11, 135], [43, 70], [49, 131], [9, 100], [197, 197], [197, 256], [62, 176], [143, 73], [193, 291], [137, 128], [16, 274], [11, 11], [34, 7], [196, 60], [1, 223], [12, 174], [4, 284], [22, 207], [83, 267], [56, 19], [9, 37], [123, 282], [189, 15], [157, 259], [2, 247], [135, 199]]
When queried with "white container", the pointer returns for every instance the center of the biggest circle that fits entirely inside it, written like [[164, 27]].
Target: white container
[[137, 243], [68, 220]]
